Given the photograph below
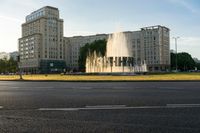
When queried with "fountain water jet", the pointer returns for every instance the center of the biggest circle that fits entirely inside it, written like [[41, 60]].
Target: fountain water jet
[[118, 58]]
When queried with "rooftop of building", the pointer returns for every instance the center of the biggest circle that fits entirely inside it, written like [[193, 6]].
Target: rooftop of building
[[50, 7], [154, 27], [39, 13], [87, 36]]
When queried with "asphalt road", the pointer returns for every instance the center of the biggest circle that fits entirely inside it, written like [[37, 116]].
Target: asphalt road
[[106, 107]]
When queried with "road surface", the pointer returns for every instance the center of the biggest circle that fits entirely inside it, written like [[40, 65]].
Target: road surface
[[92, 107]]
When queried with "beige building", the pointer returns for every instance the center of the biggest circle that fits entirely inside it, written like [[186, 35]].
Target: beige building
[[41, 47], [156, 44], [150, 44]]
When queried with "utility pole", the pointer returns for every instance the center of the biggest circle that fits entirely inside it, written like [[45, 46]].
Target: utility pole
[[176, 38]]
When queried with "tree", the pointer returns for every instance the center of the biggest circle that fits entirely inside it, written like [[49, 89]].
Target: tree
[[173, 61], [198, 66], [99, 46], [8, 66], [184, 61], [13, 65]]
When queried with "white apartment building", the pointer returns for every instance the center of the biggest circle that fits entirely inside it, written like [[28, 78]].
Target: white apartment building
[[41, 47]]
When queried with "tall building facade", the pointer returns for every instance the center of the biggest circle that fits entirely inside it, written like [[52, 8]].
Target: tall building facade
[[156, 47], [41, 47], [150, 44], [44, 49]]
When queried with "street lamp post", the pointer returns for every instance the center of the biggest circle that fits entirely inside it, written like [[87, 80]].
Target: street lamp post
[[176, 38]]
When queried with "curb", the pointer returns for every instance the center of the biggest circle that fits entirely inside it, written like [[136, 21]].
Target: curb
[[101, 80]]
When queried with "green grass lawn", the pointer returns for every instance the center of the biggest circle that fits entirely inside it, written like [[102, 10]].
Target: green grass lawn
[[171, 76], [9, 77]]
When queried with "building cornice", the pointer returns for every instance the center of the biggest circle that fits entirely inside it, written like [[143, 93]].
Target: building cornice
[[30, 35]]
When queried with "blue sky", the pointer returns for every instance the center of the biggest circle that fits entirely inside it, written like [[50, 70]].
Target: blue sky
[[85, 17]]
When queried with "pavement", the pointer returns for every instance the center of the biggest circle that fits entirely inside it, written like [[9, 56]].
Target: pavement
[[99, 107]]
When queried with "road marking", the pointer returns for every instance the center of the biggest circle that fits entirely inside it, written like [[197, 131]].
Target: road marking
[[100, 107], [182, 105], [1, 107], [120, 107], [105, 106], [58, 109]]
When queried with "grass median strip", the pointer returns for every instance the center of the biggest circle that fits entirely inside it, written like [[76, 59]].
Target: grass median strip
[[9, 77], [150, 77]]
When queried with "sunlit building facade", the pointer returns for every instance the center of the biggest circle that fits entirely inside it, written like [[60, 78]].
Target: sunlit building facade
[[41, 47], [150, 44], [44, 49]]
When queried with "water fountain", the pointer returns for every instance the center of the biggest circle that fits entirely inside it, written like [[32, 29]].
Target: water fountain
[[118, 58]]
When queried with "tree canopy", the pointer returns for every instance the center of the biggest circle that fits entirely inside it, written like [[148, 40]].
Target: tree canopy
[[99, 46], [198, 66], [185, 61], [8, 66]]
